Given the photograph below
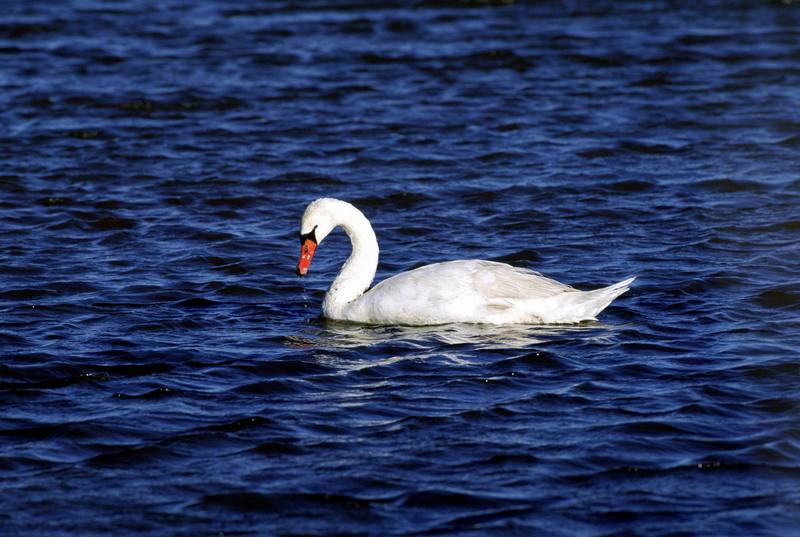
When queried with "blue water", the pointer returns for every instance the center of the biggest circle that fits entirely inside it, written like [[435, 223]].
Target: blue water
[[163, 372]]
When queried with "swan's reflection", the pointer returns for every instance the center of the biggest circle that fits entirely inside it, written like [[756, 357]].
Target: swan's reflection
[[334, 334]]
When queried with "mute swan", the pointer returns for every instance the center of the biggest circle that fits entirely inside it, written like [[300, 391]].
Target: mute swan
[[466, 291]]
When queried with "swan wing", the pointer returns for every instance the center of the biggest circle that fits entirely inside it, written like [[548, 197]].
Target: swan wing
[[455, 291], [500, 281]]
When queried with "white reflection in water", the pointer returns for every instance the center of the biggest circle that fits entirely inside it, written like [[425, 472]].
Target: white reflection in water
[[334, 334]]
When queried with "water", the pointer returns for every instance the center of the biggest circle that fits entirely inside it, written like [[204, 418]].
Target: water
[[164, 372]]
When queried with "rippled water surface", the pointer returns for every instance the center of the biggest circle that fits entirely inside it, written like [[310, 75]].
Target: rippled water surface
[[163, 372]]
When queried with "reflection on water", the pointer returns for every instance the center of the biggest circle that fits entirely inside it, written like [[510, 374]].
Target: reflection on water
[[335, 334]]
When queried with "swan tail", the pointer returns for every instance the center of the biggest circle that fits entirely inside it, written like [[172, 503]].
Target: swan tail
[[599, 299]]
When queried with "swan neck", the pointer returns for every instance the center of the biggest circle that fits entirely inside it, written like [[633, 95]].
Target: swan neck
[[358, 271]]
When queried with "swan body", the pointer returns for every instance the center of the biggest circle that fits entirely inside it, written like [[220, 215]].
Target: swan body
[[464, 291]]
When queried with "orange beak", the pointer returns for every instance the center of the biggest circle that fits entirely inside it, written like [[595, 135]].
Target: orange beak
[[306, 253]]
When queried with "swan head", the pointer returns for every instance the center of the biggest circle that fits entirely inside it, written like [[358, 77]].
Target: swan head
[[318, 221]]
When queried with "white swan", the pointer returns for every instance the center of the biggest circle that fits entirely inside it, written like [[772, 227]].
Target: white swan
[[467, 291]]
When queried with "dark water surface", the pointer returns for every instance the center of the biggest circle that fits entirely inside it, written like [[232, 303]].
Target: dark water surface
[[163, 372]]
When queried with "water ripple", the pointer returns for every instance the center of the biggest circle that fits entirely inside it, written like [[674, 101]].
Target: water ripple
[[163, 371]]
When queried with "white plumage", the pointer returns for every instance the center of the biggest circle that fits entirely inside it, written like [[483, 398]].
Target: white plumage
[[465, 291]]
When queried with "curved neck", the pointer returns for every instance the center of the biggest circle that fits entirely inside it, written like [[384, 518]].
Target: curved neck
[[358, 271]]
